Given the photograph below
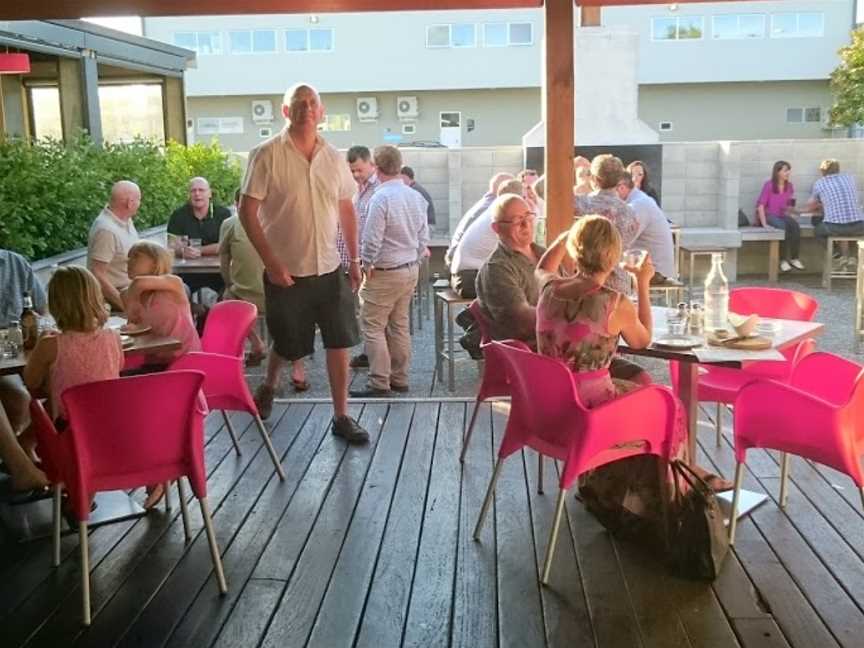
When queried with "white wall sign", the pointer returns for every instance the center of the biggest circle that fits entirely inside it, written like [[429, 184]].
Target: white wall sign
[[220, 126]]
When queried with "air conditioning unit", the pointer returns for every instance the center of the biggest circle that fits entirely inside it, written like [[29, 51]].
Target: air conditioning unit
[[262, 110], [367, 109], [406, 107]]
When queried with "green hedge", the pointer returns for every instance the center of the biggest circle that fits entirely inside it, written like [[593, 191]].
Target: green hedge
[[50, 192]]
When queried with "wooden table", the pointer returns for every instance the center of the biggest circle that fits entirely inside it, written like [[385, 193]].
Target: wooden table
[[791, 332], [200, 265], [147, 343]]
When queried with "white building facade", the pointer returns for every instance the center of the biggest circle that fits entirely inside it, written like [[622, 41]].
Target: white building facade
[[712, 71]]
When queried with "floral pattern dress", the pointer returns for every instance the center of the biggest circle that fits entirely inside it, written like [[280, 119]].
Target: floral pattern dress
[[624, 495]]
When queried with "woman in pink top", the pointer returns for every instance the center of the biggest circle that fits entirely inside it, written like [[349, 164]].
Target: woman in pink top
[[83, 350], [776, 207], [158, 300]]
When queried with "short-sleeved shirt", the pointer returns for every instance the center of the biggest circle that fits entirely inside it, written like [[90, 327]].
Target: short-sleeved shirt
[[299, 201], [607, 203], [470, 216], [775, 203], [505, 282], [183, 222], [839, 198], [17, 278], [246, 269], [109, 242]]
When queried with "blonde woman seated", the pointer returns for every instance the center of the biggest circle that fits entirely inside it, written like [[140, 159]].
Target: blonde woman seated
[[579, 321]]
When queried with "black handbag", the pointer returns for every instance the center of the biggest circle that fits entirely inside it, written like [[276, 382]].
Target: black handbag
[[698, 540]]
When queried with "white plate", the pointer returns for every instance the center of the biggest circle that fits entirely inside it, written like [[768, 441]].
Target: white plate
[[682, 342]]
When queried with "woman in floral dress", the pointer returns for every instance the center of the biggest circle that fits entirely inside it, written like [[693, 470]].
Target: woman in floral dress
[[579, 321]]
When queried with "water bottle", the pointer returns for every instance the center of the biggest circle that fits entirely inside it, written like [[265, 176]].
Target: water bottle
[[716, 312]]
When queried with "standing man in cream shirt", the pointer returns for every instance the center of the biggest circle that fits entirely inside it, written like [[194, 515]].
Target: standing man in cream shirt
[[297, 189]]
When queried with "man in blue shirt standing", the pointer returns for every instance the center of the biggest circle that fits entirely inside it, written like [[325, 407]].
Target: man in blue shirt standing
[[394, 241]]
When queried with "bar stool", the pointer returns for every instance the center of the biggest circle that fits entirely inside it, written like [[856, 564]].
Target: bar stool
[[446, 301], [828, 272]]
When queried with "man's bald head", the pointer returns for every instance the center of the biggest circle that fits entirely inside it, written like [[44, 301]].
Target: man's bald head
[[125, 199], [302, 106], [497, 180]]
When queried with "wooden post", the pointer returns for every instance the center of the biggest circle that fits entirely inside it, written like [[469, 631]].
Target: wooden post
[[558, 115], [174, 109], [590, 16]]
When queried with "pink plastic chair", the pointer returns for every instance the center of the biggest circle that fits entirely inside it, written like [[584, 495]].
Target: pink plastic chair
[[547, 415], [228, 324], [493, 383], [129, 432], [53, 450], [819, 415], [721, 385], [221, 360], [225, 389]]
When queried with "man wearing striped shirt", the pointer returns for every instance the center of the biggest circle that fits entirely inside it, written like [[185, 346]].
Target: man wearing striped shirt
[[836, 196], [394, 239]]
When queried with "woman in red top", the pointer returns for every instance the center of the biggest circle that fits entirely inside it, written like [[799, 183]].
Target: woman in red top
[[775, 207]]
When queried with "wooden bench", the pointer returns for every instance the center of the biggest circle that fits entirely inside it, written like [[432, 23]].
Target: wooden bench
[[692, 251], [446, 303], [671, 289], [772, 236]]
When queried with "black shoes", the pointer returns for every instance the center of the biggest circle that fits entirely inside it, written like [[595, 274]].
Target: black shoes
[[370, 392], [360, 361], [350, 430]]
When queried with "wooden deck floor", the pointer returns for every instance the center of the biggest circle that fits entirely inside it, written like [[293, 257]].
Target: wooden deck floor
[[372, 547]]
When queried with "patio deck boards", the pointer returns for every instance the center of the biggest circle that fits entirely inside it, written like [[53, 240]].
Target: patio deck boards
[[372, 547]]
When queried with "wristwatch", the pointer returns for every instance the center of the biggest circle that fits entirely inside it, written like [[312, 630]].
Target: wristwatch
[[358, 260]]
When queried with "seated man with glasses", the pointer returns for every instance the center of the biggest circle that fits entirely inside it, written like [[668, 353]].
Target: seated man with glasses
[[507, 291], [476, 244]]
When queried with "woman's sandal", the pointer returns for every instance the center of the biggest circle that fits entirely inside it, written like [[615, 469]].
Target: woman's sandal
[[300, 385]]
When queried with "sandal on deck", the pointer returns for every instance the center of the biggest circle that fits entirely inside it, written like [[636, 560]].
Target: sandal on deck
[[300, 385]]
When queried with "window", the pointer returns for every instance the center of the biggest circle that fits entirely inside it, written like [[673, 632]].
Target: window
[[240, 42], [132, 110], [45, 106], [495, 35], [666, 126], [813, 115], [335, 123], [738, 26], [794, 115], [264, 41], [321, 40], [438, 36], [409, 129], [202, 43], [264, 133], [521, 34], [296, 40], [797, 25], [464, 35], [677, 28]]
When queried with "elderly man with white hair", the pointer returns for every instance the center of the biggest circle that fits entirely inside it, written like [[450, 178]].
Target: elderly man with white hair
[[111, 236]]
